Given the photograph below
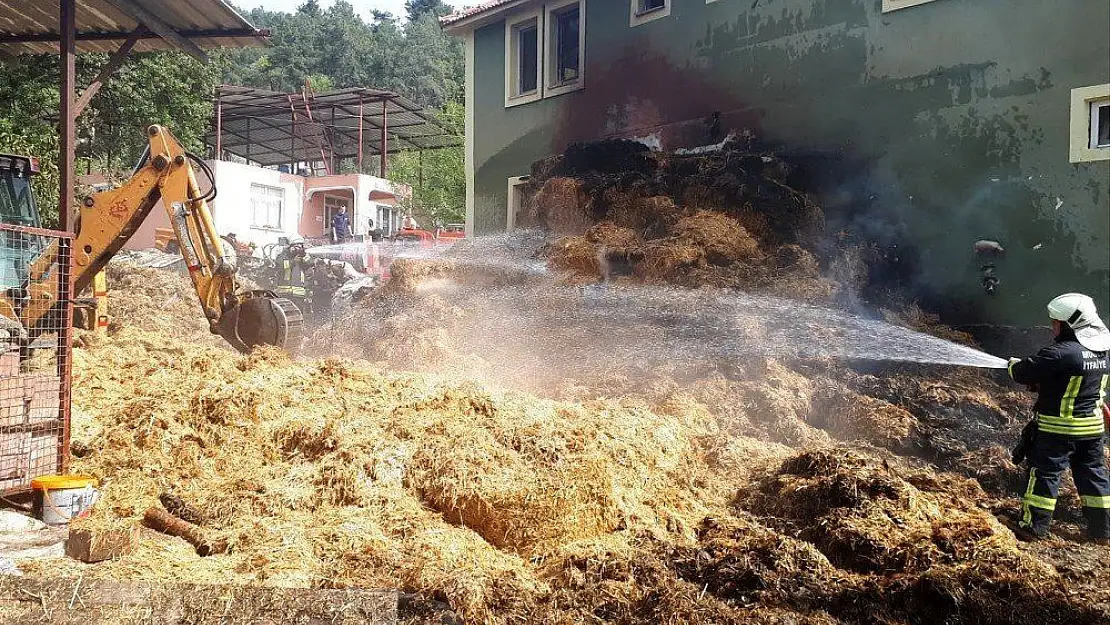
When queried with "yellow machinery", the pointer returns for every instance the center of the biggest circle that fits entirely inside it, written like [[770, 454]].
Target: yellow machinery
[[100, 294], [108, 219]]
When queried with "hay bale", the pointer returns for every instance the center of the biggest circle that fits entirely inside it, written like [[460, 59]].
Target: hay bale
[[575, 254], [650, 216], [722, 238], [796, 260], [612, 237], [667, 261], [561, 206]]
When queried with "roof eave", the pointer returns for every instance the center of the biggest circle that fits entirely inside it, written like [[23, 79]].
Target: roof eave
[[484, 18]]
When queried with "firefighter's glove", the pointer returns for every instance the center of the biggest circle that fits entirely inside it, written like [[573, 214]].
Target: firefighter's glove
[[1025, 445]]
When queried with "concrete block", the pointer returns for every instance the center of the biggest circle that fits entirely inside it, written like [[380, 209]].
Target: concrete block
[[98, 545]]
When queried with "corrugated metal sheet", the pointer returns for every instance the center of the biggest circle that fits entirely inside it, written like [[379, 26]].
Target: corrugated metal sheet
[[31, 26], [273, 128]]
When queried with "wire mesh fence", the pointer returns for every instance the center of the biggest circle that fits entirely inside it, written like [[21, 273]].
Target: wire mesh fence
[[36, 313]]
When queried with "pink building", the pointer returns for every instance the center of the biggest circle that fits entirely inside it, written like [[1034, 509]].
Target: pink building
[[260, 136], [261, 205]]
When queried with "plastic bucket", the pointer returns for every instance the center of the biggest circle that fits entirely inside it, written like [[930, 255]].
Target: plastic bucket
[[58, 499]]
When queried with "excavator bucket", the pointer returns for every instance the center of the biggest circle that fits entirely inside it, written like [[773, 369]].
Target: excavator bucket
[[261, 318]]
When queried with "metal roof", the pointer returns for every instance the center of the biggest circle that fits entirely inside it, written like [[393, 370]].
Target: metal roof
[[31, 26], [273, 128]]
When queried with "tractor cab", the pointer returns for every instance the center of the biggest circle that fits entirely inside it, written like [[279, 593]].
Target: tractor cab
[[17, 208]]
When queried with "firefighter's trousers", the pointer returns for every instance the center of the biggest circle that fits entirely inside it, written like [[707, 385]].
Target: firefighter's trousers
[[1049, 456]]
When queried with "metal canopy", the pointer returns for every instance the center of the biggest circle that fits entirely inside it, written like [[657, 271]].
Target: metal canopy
[[31, 26], [272, 128]]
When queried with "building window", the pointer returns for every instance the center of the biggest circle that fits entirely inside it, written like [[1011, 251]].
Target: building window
[[522, 55], [386, 221], [644, 11], [515, 209], [1100, 124], [1090, 124], [565, 47], [894, 5], [267, 206]]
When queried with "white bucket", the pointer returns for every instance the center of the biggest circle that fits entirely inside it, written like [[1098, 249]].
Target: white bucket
[[60, 501]]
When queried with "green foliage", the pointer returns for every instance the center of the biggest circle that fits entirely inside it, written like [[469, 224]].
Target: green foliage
[[415, 59], [28, 92], [436, 176], [325, 48], [166, 88]]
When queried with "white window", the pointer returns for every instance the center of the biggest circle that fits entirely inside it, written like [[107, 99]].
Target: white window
[[515, 208], [267, 206], [1100, 124], [564, 47], [894, 5], [522, 59], [644, 11], [386, 222], [1090, 124]]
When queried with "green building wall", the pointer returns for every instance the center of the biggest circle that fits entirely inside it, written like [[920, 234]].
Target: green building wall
[[928, 127]]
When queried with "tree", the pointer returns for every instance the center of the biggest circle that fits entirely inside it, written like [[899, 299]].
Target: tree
[[436, 176], [419, 8], [325, 48], [415, 59]]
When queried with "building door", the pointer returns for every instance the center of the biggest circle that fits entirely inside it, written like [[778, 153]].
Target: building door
[[385, 221], [332, 204]]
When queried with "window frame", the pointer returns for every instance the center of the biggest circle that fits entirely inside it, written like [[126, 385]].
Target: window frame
[[511, 207], [512, 59], [551, 54], [1082, 130], [279, 197], [1095, 105], [637, 17]]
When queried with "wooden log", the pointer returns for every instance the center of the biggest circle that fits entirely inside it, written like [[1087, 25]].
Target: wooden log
[[181, 509], [166, 523]]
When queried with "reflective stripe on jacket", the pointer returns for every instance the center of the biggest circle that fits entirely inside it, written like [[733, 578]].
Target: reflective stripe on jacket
[[292, 279], [1071, 384]]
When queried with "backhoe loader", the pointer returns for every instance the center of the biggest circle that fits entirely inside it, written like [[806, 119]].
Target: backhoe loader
[[29, 298]]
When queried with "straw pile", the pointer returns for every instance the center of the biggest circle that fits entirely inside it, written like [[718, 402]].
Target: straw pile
[[726, 220], [672, 503]]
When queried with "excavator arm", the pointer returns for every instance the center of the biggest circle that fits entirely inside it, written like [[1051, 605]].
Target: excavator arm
[[245, 319]]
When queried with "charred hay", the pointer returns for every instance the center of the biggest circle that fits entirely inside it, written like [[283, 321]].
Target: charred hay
[[721, 220]]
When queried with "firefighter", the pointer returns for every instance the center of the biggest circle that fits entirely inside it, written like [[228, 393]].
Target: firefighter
[[291, 266], [1070, 378]]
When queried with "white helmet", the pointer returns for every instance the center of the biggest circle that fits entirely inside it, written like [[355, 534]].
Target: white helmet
[[1078, 311]]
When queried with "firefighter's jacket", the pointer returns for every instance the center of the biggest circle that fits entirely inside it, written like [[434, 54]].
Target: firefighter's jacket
[[1071, 382], [292, 278]]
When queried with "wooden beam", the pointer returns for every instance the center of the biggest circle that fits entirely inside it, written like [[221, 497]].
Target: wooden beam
[[155, 24], [109, 68], [67, 128], [120, 35]]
